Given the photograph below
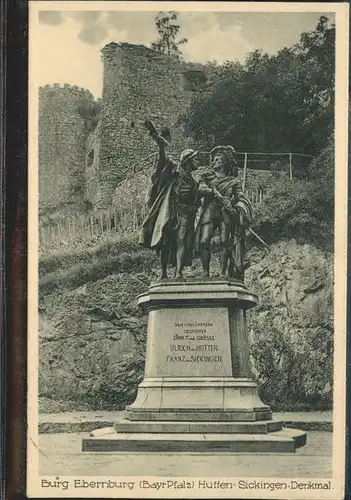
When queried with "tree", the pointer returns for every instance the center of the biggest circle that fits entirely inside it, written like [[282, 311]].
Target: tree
[[303, 209], [279, 103], [168, 30], [208, 119], [316, 55]]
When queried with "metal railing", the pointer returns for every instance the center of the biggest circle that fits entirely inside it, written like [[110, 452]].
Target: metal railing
[[117, 220], [288, 162]]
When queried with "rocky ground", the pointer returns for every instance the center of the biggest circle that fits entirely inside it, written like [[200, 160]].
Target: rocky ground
[[92, 335]]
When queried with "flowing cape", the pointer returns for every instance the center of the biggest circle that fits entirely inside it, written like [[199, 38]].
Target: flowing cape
[[241, 202], [161, 224], [158, 218]]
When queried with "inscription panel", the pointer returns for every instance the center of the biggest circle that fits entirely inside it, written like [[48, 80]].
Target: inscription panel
[[188, 342]]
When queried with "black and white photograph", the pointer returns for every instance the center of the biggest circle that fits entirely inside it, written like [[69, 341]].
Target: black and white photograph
[[187, 250]]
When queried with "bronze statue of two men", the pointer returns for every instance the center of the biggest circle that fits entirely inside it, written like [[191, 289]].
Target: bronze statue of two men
[[181, 191]]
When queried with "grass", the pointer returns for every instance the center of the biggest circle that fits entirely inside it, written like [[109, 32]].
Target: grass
[[108, 247], [102, 266]]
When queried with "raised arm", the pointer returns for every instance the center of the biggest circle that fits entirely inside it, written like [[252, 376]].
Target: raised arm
[[161, 142], [165, 166]]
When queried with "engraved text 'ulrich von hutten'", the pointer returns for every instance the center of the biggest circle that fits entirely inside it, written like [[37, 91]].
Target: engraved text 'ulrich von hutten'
[[187, 347], [193, 332]]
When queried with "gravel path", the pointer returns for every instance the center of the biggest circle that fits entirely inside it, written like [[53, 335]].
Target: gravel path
[[60, 454]]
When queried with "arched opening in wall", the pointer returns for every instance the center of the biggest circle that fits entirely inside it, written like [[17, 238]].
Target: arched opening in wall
[[193, 80], [132, 124]]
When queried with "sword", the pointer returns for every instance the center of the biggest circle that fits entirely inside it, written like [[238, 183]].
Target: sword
[[258, 237]]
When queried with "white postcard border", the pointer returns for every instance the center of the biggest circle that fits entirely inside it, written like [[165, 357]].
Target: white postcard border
[[34, 488]]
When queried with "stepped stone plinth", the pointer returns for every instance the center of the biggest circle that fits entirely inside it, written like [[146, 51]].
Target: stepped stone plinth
[[197, 393]]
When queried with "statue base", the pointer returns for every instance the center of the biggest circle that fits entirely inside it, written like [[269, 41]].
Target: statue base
[[197, 393]]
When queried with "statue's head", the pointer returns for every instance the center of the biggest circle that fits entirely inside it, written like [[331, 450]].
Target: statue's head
[[223, 159], [188, 159]]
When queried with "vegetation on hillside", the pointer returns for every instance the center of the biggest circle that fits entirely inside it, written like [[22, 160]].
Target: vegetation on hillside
[[283, 102], [93, 330], [84, 255], [280, 103], [91, 327], [303, 209]]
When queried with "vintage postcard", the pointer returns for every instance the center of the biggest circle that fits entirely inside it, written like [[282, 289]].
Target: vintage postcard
[[187, 249]]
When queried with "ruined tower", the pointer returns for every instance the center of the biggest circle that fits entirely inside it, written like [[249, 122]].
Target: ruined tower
[[138, 84], [62, 145]]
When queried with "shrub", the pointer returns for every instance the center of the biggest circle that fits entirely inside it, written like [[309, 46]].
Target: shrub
[[302, 209]]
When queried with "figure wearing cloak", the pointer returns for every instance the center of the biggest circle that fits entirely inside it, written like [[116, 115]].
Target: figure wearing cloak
[[225, 207], [173, 202]]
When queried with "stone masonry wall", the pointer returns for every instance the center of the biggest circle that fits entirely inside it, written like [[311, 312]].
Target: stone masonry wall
[[140, 84], [77, 165], [92, 165], [62, 145]]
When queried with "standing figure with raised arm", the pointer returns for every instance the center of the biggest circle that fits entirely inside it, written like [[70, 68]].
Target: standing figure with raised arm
[[173, 200]]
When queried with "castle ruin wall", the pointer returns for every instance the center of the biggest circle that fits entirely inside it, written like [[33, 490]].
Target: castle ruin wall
[[62, 145], [139, 83]]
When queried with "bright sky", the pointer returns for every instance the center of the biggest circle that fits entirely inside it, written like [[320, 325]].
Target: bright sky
[[68, 44]]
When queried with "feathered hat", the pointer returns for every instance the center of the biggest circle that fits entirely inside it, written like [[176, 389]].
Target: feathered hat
[[228, 150]]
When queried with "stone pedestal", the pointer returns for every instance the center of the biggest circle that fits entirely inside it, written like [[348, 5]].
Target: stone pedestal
[[197, 393]]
